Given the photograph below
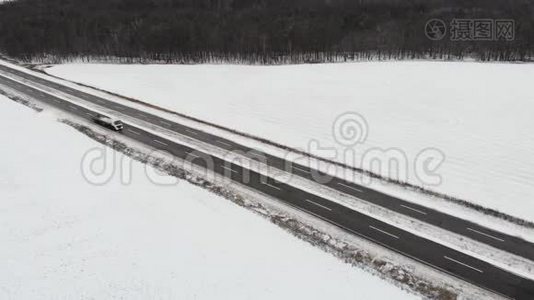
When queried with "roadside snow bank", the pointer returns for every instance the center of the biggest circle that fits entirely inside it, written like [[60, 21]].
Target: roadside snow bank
[[64, 238], [478, 115]]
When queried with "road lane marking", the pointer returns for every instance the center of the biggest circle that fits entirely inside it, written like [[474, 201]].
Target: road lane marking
[[384, 232], [300, 169], [141, 116], [461, 263], [56, 100], [89, 114], [160, 142], [258, 155], [485, 234], [229, 169], [73, 107], [319, 205], [223, 143], [274, 187], [191, 131], [390, 247], [165, 123], [416, 210], [349, 187], [134, 132], [118, 107], [193, 155]]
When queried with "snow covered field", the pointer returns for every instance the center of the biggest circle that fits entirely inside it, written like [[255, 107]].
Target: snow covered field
[[478, 115], [64, 238]]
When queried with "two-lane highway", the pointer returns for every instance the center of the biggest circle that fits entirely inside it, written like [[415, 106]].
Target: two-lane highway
[[423, 250], [499, 240]]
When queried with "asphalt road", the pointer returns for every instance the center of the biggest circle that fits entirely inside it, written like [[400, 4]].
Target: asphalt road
[[445, 259], [451, 223]]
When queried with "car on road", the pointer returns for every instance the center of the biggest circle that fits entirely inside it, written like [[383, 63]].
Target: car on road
[[113, 124]]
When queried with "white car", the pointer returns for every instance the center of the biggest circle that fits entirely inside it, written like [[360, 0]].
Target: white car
[[110, 123]]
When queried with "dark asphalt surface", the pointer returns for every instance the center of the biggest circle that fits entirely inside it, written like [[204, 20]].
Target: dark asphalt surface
[[423, 250]]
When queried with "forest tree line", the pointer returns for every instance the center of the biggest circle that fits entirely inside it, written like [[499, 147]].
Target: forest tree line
[[254, 31]]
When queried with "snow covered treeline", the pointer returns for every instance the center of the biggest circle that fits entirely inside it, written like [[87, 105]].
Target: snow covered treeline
[[252, 31]]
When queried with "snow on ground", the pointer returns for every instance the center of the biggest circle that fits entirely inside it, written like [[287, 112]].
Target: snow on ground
[[64, 238], [478, 115]]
